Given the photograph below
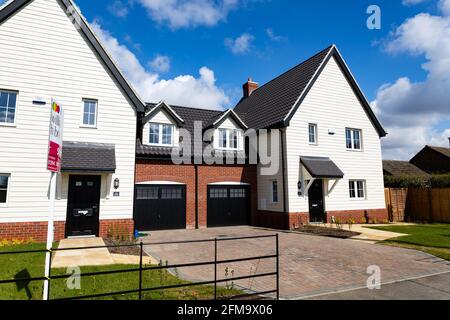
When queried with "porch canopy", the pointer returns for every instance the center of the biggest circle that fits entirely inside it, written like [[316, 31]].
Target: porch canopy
[[87, 157], [321, 168]]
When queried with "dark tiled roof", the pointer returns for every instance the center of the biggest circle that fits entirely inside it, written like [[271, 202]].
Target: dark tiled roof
[[401, 168], [268, 105], [189, 115], [271, 105], [441, 150], [88, 157], [321, 167]]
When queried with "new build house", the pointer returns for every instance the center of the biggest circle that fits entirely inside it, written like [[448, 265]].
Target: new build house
[[48, 51], [129, 164]]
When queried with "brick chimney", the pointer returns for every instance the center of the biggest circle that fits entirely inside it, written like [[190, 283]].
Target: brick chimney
[[249, 87]]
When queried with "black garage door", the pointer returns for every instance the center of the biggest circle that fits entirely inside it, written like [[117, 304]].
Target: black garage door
[[228, 206], [160, 207]]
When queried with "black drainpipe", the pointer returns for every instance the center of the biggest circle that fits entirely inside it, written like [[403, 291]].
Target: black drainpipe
[[196, 196], [283, 168]]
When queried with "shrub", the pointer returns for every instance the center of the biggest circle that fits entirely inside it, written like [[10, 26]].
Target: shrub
[[431, 181]]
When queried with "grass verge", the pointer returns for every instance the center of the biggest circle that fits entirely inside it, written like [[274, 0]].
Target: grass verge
[[32, 265], [430, 238]]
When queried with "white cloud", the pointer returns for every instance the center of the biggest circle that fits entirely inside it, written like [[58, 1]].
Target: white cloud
[[412, 2], [160, 63], [241, 44], [411, 109], [188, 13], [119, 8], [183, 90], [274, 37]]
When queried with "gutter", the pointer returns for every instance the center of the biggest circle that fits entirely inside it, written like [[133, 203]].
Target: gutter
[[283, 168]]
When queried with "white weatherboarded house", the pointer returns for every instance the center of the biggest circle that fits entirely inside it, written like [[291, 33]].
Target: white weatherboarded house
[[48, 51], [329, 145]]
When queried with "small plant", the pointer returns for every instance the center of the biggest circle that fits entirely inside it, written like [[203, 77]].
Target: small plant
[[351, 222], [229, 271], [338, 224]]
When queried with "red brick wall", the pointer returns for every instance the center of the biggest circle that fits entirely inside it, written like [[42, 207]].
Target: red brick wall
[[37, 231], [149, 170], [116, 228], [287, 221]]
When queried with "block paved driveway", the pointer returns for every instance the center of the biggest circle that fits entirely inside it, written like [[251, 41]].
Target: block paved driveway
[[309, 265]]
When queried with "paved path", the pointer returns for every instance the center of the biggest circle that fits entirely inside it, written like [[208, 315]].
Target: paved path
[[435, 287], [309, 265], [83, 257]]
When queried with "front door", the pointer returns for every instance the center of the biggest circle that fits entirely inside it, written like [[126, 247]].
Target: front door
[[316, 203], [83, 204]]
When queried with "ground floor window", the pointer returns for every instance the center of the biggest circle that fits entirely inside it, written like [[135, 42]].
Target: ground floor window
[[275, 191], [357, 189], [4, 180]]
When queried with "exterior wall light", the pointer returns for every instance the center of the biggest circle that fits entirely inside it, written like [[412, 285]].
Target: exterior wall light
[[116, 183]]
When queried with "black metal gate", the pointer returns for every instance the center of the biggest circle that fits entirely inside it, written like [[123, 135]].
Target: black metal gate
[[160, 207], [228, 206]]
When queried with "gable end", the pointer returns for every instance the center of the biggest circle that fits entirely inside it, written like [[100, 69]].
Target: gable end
[[354, 85]]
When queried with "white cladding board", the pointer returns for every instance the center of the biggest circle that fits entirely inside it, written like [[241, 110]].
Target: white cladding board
[[332, 105], [42, 54]]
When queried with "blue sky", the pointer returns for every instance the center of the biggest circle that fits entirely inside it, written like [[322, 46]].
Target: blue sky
[[200, 52]]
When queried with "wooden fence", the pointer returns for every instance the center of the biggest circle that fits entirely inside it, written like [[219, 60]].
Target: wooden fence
[[432, 205]]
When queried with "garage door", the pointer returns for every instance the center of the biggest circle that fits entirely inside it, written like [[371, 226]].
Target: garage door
[[160, 207], [228, 206]]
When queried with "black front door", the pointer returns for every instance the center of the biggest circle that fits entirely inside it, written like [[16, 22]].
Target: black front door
[[316, 205], [83, 204], [160, 207], [228, 206]]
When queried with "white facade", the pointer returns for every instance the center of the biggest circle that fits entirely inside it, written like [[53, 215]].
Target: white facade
[[42, 54], [332, 105]]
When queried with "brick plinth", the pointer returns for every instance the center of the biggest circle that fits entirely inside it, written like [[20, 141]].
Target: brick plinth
[[287, 221], [37, 231]]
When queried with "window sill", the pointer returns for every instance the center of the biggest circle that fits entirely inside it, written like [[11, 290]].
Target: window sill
[[354, 150], [160, 145], [88, 127], [3, 205], [11, 125]]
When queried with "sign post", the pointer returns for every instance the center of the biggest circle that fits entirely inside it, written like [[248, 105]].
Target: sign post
[[54, 157]]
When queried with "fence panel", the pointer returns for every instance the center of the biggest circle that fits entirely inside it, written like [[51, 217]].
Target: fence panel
[[432, 205]]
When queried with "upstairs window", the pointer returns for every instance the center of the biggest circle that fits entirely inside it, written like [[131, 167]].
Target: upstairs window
[[357, 189], [312, 128], [353, 139], [8, 101], [161, 134], [228, 139], [4, 179], [89, 113]]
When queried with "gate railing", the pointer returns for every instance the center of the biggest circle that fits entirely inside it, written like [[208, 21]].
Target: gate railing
[[140, 290]]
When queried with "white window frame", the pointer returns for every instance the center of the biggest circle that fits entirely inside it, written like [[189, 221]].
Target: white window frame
[[8, 190], [12, 124], [355, 186], [272, 189], [228, 134], [160, 134], [315, 143], [352, 139], [83, 125]]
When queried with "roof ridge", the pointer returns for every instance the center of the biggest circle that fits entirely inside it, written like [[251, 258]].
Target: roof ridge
[[187, 107], [294, 67]]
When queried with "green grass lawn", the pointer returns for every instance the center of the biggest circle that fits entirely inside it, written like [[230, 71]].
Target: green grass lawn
[[430, 238], [32, 265]]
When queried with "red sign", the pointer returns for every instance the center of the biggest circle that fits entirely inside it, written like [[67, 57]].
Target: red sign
[[55, 138]]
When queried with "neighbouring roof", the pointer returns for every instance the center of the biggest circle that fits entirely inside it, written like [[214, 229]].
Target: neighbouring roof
[[88, 157], [189, 116], [274, 104], [319, 167], [10, 8], [442, 150], [401, 168]]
